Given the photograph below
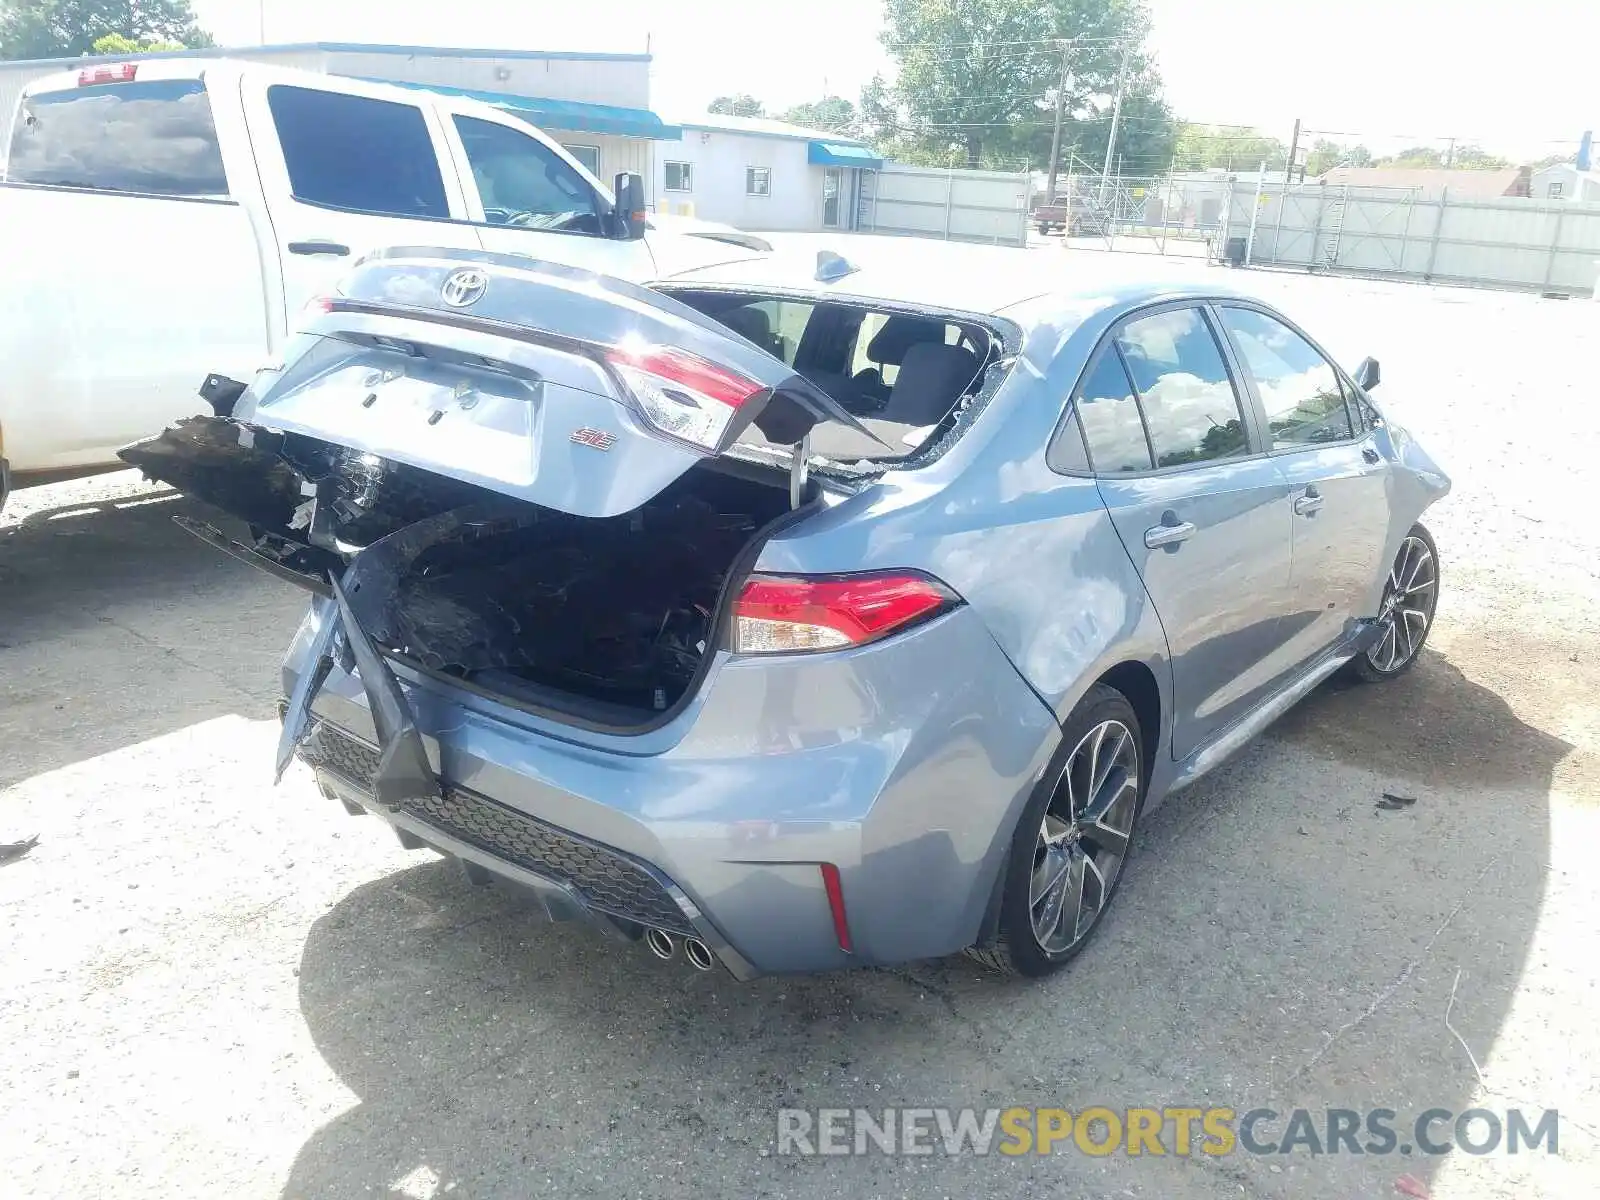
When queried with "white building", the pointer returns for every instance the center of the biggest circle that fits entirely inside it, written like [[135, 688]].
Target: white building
[[1564, 181], [597, 105], [756, 173]]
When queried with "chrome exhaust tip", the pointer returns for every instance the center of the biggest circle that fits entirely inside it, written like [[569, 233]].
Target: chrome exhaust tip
[[660, 943], [698, 954]]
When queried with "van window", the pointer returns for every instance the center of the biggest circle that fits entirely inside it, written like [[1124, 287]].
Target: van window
[[156, 137], [353, 152], [523, 183]]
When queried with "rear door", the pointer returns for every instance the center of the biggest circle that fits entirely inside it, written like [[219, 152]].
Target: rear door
[[1338, 479], [347, 169], [1203, 514]]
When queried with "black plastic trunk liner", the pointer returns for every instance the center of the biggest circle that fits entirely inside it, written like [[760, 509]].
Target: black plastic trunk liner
[[607, 879]]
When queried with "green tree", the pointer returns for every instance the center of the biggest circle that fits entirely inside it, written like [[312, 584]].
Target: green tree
[[741, 105], [115, 43], [833, 114], [978, 78], [1230, 147], [66, 28], [1325, 155]]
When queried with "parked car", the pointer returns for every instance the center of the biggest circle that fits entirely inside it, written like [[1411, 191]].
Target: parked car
[[1076, 218], [872, 644], [163, 219]]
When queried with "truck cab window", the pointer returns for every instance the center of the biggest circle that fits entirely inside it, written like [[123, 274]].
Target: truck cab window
[[523, 183], [155, 137], [356, 153]]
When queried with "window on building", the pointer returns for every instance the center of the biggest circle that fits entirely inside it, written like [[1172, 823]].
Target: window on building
[[589, 156], [357, 153], [1190, 407], [156, 137], [680, 177], [523, 183], [758, 181], [1299, 388], [1555, 190]]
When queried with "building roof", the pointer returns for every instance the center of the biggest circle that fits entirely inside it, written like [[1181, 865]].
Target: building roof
[[1511, 181], [339, 48], [765, 127]]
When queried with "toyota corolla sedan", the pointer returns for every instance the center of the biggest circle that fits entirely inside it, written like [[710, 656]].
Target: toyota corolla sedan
[[794, 614]]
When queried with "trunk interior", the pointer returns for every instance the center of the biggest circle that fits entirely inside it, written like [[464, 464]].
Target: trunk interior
[[607, 619]]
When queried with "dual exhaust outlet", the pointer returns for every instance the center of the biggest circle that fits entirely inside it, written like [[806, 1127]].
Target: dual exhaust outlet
[[663, 945]]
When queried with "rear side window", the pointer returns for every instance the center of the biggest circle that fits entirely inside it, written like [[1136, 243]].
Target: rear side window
[[353, 152], [156, 137], [1299, 389], [1190, 407], [1109, 415]]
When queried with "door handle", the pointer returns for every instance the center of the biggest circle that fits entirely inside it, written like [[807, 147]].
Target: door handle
[[1308, 502], [318, 246], [1371, 455], [1158, 536]]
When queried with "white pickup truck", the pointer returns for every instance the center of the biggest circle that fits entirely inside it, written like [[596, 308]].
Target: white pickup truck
[[164, 220]]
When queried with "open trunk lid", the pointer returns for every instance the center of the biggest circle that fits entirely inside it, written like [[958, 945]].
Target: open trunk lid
[[559, 386]]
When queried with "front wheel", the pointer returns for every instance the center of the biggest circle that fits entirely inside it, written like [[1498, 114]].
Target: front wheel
[[1405, 616], [1073, 838]]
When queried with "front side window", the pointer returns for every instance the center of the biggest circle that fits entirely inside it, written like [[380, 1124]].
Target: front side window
[[758, 181], [1299, 388], [156, 137], [1177, 370], [680, 177], [356, 153], [523, 183], [1108, 413]]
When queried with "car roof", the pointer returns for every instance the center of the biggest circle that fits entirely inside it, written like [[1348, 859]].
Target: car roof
[[960, 277]]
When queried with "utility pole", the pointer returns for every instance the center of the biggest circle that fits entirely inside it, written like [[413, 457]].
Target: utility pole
[[1055, 138], [1294, 149], [1450, 154], [1116, 117]]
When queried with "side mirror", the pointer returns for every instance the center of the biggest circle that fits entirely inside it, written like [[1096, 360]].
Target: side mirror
[[1368, 376], [628, 217]]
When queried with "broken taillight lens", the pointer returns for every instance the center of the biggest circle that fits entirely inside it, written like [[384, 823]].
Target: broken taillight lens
[[783, 614], [681, 394]]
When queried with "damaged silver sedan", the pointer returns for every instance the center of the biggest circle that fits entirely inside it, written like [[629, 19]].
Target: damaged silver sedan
[[805, 616]]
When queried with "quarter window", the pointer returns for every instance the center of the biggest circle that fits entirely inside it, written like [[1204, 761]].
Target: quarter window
[[1299, 389], [680, 177], [354, 152], [1109, 415], [758, 181], [1190, 407], [523, 183], [157, 138]]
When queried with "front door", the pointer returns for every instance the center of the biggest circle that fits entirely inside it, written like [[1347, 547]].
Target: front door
[[832, 196], [344, 174], [1337, 479], [531, 201], [1204, 517]]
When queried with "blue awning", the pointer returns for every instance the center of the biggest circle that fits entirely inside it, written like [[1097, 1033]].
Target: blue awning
[[842, 154], [564, 115]]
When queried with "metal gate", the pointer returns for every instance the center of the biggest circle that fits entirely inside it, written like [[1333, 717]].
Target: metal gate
[[955, 205]]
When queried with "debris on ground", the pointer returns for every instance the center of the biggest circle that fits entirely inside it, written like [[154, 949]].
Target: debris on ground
[[1392, 803], [11, 851]]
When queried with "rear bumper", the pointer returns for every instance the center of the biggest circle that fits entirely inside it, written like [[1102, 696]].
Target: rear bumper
[[903, 764]]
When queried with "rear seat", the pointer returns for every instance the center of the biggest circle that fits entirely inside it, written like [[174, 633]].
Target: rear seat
[[933, 376]]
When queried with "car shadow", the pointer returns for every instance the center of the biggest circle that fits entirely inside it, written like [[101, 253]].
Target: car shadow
[[1280, 942], [169, 632]]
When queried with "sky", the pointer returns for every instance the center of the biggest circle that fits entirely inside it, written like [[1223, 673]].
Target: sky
[[1517, 77]]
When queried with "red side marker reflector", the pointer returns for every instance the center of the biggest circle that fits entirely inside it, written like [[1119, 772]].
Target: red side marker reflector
[[841, 926]]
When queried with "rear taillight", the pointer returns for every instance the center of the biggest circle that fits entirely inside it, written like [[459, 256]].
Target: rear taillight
[[681, 394], [783, 614], [114, 73]]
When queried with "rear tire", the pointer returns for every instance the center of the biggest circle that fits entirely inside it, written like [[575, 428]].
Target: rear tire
[[1072, 841]]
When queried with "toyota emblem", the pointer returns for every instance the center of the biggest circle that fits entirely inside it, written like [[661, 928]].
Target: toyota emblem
[[464, 287]]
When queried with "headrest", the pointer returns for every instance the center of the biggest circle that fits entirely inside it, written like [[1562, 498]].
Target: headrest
[[750, 323], [932, 378], [889, 345]]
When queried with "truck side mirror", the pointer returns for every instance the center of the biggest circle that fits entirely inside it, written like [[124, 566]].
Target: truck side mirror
[[628, 217], [1368, 376]]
